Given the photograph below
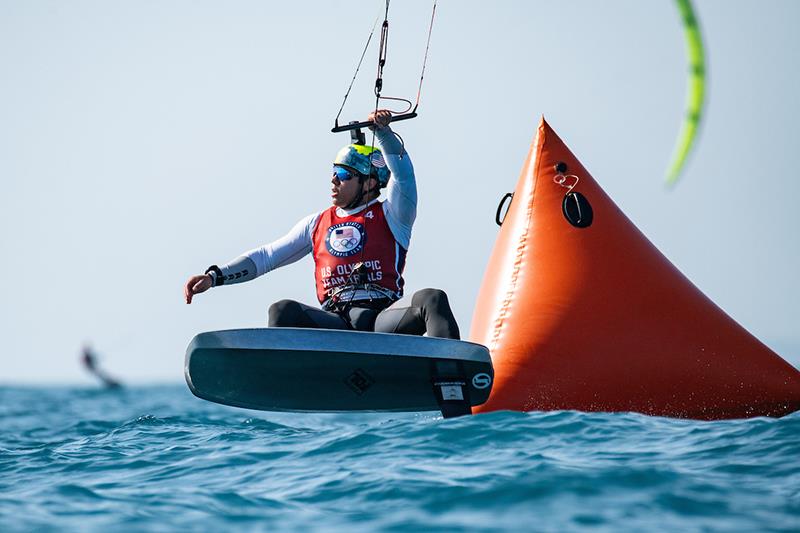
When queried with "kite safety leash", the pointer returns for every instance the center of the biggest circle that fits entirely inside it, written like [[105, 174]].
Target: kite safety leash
[[411, 110]]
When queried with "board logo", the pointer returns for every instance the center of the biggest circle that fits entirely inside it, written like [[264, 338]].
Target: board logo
[[345, 239], [481, 381], [359, 381]]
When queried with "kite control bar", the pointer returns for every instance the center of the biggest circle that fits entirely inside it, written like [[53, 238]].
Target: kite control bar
[[409, 112], [356, 125]]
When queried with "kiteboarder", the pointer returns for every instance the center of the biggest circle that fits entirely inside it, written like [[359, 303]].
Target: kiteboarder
[[359, 247], [89, 360]]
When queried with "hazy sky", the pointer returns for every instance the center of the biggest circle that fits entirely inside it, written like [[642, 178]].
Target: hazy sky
[[142, 141]]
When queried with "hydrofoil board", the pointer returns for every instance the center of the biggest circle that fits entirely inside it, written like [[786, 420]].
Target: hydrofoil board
[[299, 369]]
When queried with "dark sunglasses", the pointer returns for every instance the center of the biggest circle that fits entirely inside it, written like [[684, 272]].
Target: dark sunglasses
[[344, 174]]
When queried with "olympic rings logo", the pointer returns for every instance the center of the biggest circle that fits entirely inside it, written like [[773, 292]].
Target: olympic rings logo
[[345, 239], [345, 243]]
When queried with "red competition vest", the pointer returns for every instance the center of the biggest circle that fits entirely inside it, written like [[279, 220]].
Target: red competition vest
[[341, 242]]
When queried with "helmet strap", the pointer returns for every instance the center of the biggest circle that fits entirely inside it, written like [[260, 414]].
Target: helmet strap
[[359, 199], [373, 175], [356, 201]]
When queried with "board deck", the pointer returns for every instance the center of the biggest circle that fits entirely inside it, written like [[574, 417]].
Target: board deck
[[298, 369]]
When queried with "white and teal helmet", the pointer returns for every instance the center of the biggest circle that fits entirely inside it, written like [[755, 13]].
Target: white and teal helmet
[[365, 160]]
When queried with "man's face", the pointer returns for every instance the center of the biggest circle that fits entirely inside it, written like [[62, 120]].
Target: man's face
[[344, 191]]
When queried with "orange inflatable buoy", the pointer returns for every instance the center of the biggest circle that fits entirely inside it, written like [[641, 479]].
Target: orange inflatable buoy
[[580, 311]]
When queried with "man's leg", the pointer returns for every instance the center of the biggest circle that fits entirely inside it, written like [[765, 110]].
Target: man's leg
[[292, 314], [429, 312], [362, 319]]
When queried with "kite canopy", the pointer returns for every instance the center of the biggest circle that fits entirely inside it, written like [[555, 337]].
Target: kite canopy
[[580, 311], [695, 95]]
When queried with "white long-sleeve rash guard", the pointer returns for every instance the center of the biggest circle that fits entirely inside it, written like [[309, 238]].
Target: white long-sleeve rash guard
[[400, 208]]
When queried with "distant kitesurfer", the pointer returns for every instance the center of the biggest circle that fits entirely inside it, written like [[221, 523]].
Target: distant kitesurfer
[[359, 247], [90, 363]]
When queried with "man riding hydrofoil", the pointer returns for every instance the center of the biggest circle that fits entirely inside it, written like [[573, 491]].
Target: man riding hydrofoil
[[359, 247]]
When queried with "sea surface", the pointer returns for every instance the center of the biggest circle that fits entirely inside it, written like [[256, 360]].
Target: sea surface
[[159, 459]]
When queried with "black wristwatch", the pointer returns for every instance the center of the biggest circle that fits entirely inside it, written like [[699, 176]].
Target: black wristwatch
[[217, 278]]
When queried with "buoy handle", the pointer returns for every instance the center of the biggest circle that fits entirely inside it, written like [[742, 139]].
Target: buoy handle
[[497, 219]]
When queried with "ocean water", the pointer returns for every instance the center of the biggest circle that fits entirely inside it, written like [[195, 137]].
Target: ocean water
[[159, 459]]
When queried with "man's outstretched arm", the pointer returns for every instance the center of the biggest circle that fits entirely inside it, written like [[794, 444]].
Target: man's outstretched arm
[[257, 262]]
